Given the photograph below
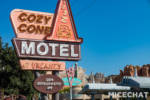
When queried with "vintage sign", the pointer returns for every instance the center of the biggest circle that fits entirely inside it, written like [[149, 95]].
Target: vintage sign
[[31, 24], [75, 81], [41, 65], [63, 27], [40, 49], [70, 75], [48, 84]]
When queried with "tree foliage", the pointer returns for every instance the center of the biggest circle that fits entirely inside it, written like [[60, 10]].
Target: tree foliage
[[12, 79], [64, 90]]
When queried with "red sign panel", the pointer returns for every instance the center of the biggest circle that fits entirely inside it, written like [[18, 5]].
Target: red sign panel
[[41, 65], [47, 49], [48, 84], [63, 28]]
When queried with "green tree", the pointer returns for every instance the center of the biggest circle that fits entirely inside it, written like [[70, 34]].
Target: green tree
[[12, 79], [65, 90]]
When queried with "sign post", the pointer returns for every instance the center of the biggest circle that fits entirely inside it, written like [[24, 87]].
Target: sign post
[[70, 75], [44, 36]]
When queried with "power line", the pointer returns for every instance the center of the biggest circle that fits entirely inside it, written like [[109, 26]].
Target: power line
[[74, 2], [86, 8]]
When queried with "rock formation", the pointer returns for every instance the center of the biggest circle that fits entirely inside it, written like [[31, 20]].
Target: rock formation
[[129, 70], [141, 71]]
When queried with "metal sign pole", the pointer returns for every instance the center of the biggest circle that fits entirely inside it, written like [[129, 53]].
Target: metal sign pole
[[57, 94], [70, 92], [93, 97]]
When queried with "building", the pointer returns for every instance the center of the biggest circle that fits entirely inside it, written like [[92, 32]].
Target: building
[[133, 83]]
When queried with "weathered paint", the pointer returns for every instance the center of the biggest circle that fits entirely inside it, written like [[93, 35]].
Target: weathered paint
[[63, 27], [31, 24], [41, 65], [48, 84], [46, 49]]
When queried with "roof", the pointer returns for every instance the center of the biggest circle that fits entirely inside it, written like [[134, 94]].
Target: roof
[[139, 82], [101, 87]]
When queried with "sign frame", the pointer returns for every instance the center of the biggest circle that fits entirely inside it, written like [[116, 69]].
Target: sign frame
[[42, 65], [46, 57], [24, 24], [42, 89]]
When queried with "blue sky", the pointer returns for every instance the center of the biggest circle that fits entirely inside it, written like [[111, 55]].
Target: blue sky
[[115, 32]]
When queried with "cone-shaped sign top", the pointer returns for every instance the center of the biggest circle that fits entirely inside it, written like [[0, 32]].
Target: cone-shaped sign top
[[63, 27]]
